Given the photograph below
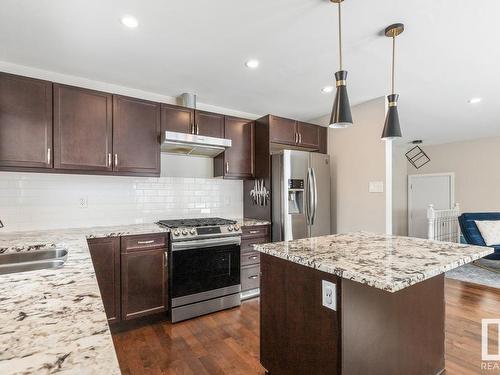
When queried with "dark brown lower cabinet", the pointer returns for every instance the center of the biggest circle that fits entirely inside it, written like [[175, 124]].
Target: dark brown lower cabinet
[[371, 331], [105, 254], [144, 282], [297, 334], [250, 259]]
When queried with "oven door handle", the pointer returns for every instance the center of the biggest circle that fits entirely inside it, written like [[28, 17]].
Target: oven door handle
[[212, 242]]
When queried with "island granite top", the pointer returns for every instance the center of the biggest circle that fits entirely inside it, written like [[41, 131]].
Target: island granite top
[[390, 263]]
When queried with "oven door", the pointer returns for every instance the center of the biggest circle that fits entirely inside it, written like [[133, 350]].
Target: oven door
[[199, 266]]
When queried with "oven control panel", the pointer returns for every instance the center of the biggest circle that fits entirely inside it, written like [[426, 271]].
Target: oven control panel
[[181, 234]]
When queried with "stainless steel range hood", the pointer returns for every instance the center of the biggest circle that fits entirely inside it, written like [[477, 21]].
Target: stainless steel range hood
[[193, 144]]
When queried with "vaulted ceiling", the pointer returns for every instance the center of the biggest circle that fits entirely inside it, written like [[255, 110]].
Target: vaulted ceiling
[[448, 54]]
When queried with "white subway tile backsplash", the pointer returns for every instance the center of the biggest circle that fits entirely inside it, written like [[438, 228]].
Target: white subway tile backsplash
[[31, 201]]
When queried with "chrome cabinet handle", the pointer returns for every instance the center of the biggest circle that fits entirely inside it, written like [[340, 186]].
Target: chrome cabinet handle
[[227, 167], [254, 231], [300, 138], [253, 257], [145, 242], [197, 129], [109, 159], [116, 160], [253, 277], [48, 155]]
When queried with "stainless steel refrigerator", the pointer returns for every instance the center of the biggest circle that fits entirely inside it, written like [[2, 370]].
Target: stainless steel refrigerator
[[300, 195]]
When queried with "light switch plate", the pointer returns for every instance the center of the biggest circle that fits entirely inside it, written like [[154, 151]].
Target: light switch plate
[[376, 187], [329, 292]]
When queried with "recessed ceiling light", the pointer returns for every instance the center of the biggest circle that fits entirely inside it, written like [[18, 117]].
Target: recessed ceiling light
[[252, 64], [327, 89], [474, 100], [130, 21]]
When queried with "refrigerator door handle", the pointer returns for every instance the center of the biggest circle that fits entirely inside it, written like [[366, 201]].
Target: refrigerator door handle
[[307, 200], [314, 196], [310, 197]]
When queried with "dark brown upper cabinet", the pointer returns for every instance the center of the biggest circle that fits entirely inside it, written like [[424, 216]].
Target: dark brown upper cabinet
[[238, 160], [323, 139], [105, 254], [307, 135], [293, 133], [209, 124], [282, 130], [136, 136], [187, 120], [177, 119], [83, 129], [25, 122]]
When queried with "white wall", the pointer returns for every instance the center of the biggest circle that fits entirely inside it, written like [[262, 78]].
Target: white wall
[[476, 167], [399, 191], [358, 157]]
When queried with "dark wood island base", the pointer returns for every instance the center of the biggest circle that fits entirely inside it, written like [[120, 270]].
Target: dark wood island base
[[372, 331]]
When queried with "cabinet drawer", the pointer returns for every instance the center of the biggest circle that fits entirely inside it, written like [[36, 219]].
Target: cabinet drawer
[[251, 257], [247, 245], [250, 277], [251, 232], [143, 242]]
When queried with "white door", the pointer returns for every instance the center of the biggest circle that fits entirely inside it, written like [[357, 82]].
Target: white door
[[436, 189]]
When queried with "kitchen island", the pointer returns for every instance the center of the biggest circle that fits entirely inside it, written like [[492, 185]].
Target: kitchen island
[[385, 297]]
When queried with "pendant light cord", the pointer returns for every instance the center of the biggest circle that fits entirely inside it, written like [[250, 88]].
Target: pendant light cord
[[393, 59], [340, 35]]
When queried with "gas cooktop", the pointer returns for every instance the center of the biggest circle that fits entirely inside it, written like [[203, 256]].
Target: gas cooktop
[[198, 222]]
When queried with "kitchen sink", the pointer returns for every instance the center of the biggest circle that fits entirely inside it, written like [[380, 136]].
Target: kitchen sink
[[32, 260]]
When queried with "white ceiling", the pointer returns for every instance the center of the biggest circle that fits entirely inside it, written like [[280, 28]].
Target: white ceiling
[[449, 53]]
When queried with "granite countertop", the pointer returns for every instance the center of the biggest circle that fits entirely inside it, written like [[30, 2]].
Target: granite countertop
[[54, 320], [390, 263], [252, 222]]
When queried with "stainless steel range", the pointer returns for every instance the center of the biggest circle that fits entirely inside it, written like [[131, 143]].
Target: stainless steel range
[[204, 266]]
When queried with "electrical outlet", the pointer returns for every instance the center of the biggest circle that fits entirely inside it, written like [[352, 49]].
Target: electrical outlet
[[84, 202], [329, 295]]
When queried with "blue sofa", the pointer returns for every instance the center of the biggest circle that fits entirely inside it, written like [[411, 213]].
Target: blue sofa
[[472, 234]]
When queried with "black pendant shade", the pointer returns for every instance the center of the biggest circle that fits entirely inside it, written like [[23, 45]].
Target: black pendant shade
[[391, 128], [341, 111]]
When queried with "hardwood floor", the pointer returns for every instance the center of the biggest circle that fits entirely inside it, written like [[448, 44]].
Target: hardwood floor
[[227, 342]]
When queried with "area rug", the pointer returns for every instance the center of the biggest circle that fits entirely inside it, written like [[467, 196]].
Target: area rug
[[483, 271]]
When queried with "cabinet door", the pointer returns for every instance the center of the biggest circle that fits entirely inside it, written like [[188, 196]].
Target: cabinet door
[[143, 283], [209, 124], [136, 136], [25, 122], [323, 139], [105, 254], [176, 119], [82, 129], [308, 135], [282, 130], [239, 157]]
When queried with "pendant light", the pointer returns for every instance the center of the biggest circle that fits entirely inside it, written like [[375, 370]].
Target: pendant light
[[341, 112], [391, 127]]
